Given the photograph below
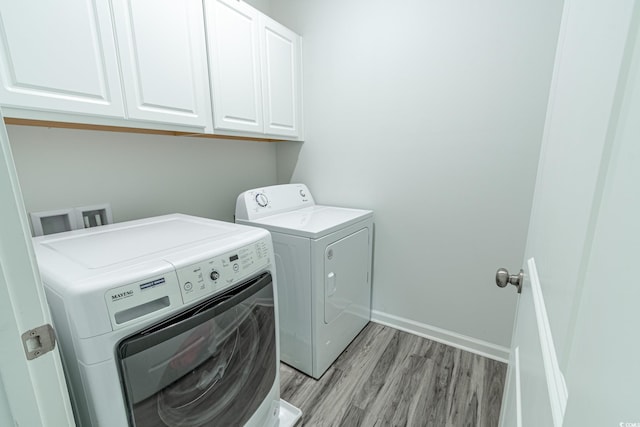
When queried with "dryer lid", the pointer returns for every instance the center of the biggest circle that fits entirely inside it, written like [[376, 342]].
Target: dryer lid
[[312, 222]]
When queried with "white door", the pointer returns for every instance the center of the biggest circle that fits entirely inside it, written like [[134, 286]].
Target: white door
[[32, 393], [234, 65], [574, 349], [59, 56], [281, 78], [164, 61]]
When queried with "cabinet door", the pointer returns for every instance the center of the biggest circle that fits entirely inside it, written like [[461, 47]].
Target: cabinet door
[[163, 60], [234, 64], [281, 79], [59, 56]]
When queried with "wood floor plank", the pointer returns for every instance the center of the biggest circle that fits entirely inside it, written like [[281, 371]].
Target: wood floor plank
[[437, 413], [353, 416], [329, 387], [463, 388], [355, 366], [493, 385], [399, 395], [392, 403], [389, 367], [360, 355], [388, 377]]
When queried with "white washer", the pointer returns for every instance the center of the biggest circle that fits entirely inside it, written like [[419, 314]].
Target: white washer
[[323, 259], [165, 321]]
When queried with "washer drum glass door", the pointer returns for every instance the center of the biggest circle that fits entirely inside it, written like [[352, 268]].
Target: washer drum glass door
[[213, 364]]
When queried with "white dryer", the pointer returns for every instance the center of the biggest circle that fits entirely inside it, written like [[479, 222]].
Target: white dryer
[[323, 260], [166, 321]]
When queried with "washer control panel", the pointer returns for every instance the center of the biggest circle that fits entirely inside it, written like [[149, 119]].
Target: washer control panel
[[218, 273]]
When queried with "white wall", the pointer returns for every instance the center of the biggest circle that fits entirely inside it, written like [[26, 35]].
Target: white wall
[[431, 113], [140, 175], [262, 5]]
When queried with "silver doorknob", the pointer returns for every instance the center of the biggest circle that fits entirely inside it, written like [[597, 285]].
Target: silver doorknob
[[503, 278]]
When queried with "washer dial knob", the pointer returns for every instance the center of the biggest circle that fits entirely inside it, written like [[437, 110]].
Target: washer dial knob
[[262, 200], [214, 275]]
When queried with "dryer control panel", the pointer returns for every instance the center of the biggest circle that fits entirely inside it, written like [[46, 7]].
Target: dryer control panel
[[261, 202], [215, 274]]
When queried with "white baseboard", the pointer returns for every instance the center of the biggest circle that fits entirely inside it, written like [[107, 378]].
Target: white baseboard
[[463, 342]]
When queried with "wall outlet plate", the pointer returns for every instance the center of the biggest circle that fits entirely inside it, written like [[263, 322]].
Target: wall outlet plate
[[93, 216], [59, 220], [55, 221]]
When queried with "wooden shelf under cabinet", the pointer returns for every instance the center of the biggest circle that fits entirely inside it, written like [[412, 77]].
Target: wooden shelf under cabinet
[[84, 126]]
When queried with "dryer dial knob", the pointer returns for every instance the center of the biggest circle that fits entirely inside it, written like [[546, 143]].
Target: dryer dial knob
[[262, 200], [214, 275]]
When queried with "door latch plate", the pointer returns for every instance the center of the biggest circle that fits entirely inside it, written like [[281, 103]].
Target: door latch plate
[[38, 341]]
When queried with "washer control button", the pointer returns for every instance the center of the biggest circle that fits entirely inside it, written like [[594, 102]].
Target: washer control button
[[236, 267], [214, 275], [188, 286]]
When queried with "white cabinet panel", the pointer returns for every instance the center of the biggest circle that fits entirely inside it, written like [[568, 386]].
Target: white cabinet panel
[[59, 56], [164, 60], [281, 71], [233, 41], [255, 69], [151, 61]]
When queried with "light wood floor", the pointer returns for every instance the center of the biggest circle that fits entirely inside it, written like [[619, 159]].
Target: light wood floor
[[391, 378]]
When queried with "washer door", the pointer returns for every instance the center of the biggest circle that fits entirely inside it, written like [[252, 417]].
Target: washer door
[[211, 365], [346, 275]]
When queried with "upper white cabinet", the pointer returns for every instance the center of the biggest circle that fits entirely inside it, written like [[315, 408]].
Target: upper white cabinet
[[59, 56], [281, 79], [176, 65], [163, 59], [234, 65], [255, 71]]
